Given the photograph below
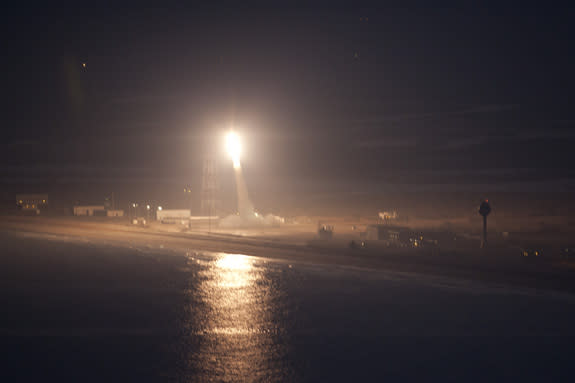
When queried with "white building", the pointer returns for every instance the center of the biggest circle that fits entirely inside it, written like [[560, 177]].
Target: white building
[[180, 216], [115, 213], [89, 210]]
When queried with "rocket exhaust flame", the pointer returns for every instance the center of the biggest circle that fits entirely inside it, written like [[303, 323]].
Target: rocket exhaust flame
[[234, 147]]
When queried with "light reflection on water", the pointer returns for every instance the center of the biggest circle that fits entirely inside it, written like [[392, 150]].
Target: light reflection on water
[[235, 271], [236, 320], [230, 291]]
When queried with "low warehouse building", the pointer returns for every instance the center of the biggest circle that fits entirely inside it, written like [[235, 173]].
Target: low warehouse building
[[394, 235], [115, 213], [173, 216], [90, 210]]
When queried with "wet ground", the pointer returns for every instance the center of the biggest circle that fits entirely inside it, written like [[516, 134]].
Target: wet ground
[[85, 310]]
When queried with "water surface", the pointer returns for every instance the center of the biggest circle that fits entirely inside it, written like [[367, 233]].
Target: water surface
[[85, 311]]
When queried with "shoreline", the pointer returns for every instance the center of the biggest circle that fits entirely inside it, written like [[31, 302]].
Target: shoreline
[[507, 270]]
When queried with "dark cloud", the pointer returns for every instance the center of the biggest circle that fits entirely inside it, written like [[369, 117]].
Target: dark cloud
[[388, 142], [481, 109]]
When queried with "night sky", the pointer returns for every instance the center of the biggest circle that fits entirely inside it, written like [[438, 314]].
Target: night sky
[[328, 99]]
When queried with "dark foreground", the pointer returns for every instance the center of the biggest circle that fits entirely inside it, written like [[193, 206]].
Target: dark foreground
[[77, 310]]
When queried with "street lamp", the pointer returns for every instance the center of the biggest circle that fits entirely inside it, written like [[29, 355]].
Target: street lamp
[[134, 205], [484, 210]]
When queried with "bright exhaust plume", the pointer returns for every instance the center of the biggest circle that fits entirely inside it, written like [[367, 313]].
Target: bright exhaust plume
[[234, 147]]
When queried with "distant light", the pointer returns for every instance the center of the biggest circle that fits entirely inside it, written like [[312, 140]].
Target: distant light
[[234, 147], [84, 65], [159, 208], [148, 207]]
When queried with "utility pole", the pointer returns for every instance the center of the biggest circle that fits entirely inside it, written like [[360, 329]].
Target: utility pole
[[209, 202]]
